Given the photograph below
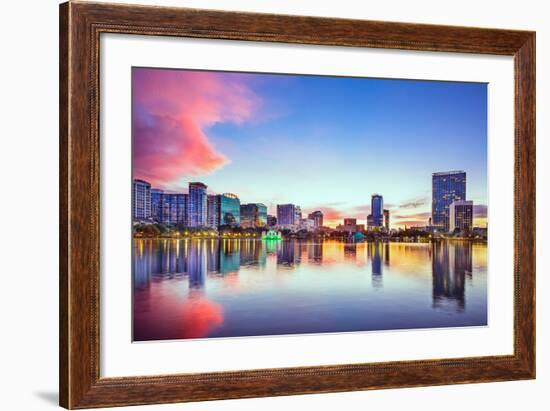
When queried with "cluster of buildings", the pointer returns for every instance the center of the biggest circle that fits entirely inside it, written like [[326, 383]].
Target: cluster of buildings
[[450, 210], [377, 220], [196, 208]]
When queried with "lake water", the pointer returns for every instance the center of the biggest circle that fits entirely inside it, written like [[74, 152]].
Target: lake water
[[191, 288]]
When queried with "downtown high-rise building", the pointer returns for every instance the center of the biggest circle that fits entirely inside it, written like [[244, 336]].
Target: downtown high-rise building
[[141, 200], [350, 221], [376, 217], [297, 214], [447, 187], [461, 215], [317, 217], [288, 215], [197, 205], [178, 208], [387, 219], [157, 205], [229, 210], [253, 215], [168, 208], [212, 211]]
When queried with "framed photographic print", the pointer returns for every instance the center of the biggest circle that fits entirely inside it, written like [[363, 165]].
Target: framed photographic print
[[256, 205]]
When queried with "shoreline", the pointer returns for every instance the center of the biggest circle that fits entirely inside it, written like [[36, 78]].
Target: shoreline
[[342, 240]]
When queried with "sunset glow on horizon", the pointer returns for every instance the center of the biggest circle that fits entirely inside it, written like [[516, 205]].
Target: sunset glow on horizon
[[321, 142]]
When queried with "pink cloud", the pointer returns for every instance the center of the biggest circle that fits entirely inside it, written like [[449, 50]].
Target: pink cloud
[[329, 213], [171, 111]]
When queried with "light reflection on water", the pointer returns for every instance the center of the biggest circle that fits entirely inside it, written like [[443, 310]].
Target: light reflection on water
[[190, 288]]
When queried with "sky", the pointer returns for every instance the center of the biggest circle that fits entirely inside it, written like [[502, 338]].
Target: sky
[[321, 142]]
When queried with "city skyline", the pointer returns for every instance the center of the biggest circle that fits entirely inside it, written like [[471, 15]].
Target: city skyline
[[197, 209], [277, 139]]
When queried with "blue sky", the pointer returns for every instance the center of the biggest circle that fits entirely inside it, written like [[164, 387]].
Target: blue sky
[[330, 142]]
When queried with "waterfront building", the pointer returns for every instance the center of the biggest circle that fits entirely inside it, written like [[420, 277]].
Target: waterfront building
[[197, 205], [212, 211], [286, 214], [350, 226], [141, 200], [271, 220], [229, 210], [461, 215], [157, 197], [377, 210], [447, 187], [178, 207], [297, 215], [350, 221], [168, 208], [253, 215], [387, 220], [317, 217], [370, 223], [307, 224]]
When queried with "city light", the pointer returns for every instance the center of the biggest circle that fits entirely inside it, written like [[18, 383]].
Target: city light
[[451, 217]]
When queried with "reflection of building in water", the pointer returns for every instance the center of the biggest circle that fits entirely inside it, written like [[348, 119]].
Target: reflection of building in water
[[350, 251], [374, 252], [161, 258], [169, 256], [271, 246], [288, 254], [230, 256], [143, 263], [196, 264], [387, 254], [376, 260], [315, 253], [252, 253], [181, 256], [450, 265], [212, 256]]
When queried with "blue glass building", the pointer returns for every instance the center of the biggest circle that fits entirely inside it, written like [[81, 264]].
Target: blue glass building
[[377, 210], [157, 205], [229, 210], [447, 187], [168, 208], [178, 206], [212, 211], [287, 215], [197, 205]]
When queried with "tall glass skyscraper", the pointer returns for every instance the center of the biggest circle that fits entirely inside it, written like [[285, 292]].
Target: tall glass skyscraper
[[229, 210], [168, 208], [212, 212], [461, 215], [157, 197], [141, 200], [317, 217], [377, 210], [178, 206], [447, 187], [197, 205], [287, 214]]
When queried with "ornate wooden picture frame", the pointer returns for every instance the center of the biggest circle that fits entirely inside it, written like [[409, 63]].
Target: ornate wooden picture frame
[[81, 25]]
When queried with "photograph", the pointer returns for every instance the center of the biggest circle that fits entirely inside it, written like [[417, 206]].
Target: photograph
[[271, 204]]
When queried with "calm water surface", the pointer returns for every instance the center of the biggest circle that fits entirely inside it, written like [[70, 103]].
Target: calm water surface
[[190, 288]]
